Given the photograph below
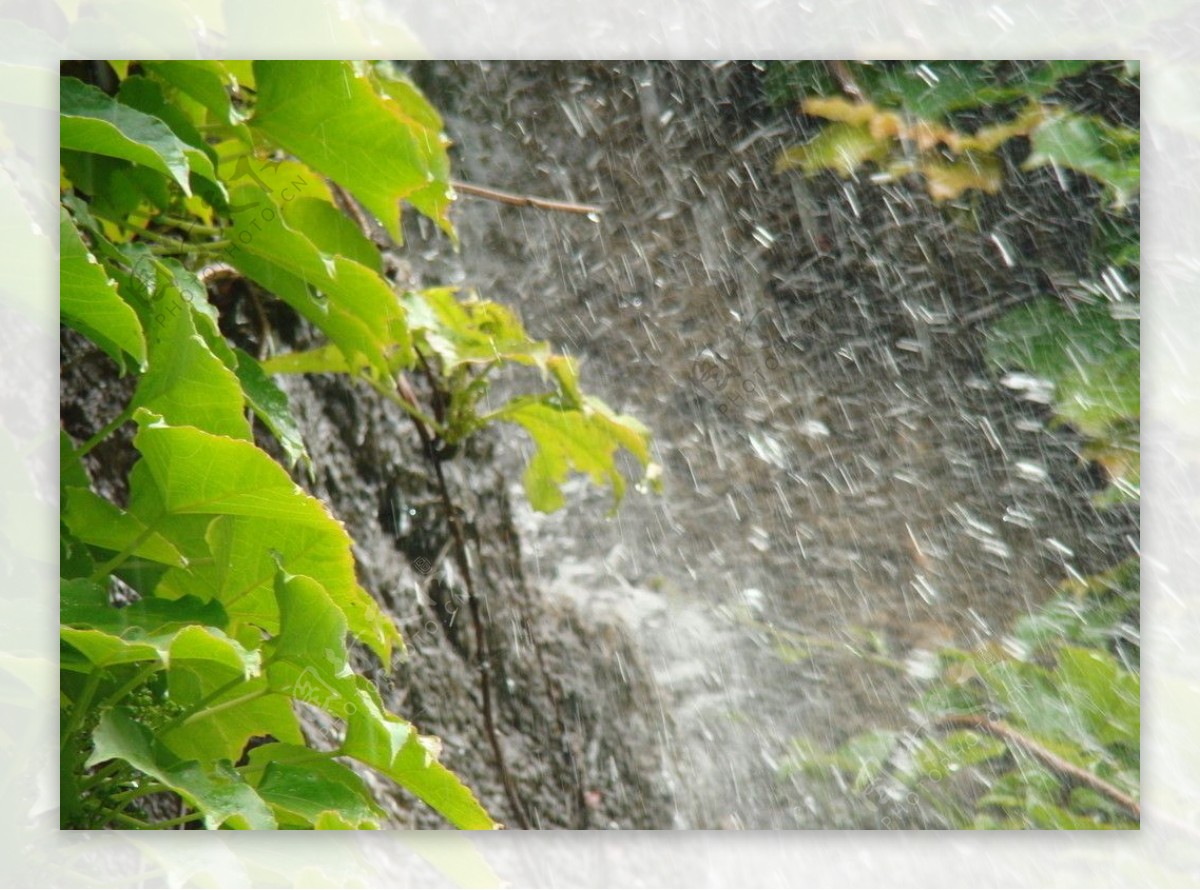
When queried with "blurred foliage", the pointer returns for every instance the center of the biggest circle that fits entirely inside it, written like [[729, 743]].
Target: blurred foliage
[[1088, 362], [947, 122], [1039, 731], [1042, 730]]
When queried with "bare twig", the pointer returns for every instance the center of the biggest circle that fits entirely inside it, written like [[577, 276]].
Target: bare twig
[[515, 200], [846, 80], [1046, 757], [482, 650]]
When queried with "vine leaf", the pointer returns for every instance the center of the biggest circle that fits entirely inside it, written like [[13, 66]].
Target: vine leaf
[[226, 722], [331, 231], [258, 508], [350, 302], [576, 432], [309, 662], [330, 115], [90, 302], [205, 81], [1090, 145], [270, 405], [101, 523], [185, 383], [85, 603], [472, 331], [307, 788], [92, 121], [218, 791]]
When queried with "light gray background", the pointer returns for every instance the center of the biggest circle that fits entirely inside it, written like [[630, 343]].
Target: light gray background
[[1164, 34]]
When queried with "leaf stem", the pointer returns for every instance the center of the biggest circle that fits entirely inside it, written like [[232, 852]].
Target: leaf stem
[[107, 430], [124, 819], [177, 821], [81, 706], [409, 404], [199, 713], [113, 564], [101, 775], [141, 791]]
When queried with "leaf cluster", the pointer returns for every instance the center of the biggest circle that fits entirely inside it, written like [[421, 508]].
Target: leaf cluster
[[243, 587]]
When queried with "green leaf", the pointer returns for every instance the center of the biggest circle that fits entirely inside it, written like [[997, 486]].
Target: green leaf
[[94, 122], [1090, 357], [185, 383], [101, 523], [353, 305], [146, 96], [310, 663], [938, 758], [322, 360], [331, 231], [1095, 397], [582, 437], [270, 405], [865, 756], [197, 473], [222, 728], [433, 200], [472, 331], [215, 789], [71, 472], [1090, 145], [302, 786], [1104, 696], [90, 303], [205, 81], [85, 604], [330, 115]]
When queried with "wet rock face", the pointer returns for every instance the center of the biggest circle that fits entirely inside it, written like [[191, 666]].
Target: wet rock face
[[839, 459], [577, 743]]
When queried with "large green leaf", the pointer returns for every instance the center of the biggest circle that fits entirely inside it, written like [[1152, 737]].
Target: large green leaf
[[89, 301], [1091, 358], [270, 405], [217, 790], [205, 81], [221, 729], [573, 432], [101, 523], [85, 604], [147, 96], [1096, 397], [1090, 145], [197, 473], [92, 121], [331, 231], [310, 662], [350, 302], [302, 785], [186, 384], [1105, 696], [331, 116]]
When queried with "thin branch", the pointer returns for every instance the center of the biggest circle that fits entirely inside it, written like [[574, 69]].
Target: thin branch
[[352, 209], [479, 191], [1046, 757], [846, 80], [482, 650]]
